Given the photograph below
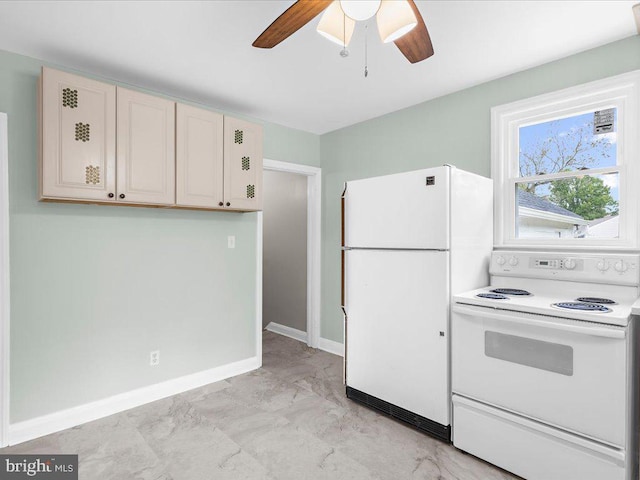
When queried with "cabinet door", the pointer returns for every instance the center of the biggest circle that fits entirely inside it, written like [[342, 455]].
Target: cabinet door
[[78, 135], [199, 157], [146, 148], [242, 165]]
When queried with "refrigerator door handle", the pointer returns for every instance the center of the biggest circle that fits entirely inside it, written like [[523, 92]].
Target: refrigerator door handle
[[344, 362], [343, 278], [343, 204], [343, 201]]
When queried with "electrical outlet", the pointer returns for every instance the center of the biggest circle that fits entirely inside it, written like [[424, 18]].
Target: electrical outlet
[[154, 358], [231, 241]]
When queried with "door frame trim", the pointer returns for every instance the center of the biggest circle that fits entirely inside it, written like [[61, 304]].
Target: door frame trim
[[4, 282], [314, 222]]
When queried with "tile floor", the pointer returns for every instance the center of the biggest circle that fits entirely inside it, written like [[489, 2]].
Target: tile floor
[[288, 420]]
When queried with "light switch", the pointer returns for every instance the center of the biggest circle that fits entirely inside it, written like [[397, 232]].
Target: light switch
[[231, 241]]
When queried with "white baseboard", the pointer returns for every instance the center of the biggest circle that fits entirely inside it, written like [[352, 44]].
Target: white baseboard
[[287, 331], [325, 344], [55, 422], [331, 346]]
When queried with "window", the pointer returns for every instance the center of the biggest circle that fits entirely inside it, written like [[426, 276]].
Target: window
[[565, 167]]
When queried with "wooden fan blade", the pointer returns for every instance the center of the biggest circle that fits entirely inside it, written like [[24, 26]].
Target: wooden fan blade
[[295, 17], [416, 45]]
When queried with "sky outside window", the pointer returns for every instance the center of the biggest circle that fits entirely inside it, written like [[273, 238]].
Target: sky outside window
[[556, 140], [568, 144]]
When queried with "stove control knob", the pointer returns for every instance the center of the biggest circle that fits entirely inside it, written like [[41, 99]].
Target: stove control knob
[[501, 260], [513, 261], [621, 266], [569, 263], [602, 265]]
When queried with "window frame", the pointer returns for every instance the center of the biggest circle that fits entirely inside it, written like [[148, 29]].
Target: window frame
[[621, 92]]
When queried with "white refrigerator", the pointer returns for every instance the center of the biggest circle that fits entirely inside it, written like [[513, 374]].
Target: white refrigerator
[[410, 241]]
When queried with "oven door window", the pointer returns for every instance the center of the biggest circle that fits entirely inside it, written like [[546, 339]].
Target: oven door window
[[553, 357]]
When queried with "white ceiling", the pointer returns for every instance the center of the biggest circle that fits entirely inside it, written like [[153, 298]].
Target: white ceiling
[[202, 51]]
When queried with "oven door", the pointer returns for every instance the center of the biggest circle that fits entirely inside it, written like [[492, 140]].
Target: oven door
[[566, 373]]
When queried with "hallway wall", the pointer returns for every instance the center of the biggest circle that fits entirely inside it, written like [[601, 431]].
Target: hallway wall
[[285, 250]]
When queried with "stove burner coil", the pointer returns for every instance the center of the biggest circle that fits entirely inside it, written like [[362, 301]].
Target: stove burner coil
[[585, 307], [601, 301], [510, 291], [493, 296]]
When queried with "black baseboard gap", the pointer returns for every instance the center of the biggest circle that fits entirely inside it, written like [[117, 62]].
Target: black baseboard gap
[[441, 432]]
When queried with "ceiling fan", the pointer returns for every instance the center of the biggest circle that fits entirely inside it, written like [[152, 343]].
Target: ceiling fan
[[410, 36]]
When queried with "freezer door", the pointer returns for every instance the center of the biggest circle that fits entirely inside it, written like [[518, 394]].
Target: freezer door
[[397, 328], [405, 210]]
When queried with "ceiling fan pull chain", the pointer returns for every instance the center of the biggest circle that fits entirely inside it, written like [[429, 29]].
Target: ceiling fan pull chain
[[366, 69], [344, 52]]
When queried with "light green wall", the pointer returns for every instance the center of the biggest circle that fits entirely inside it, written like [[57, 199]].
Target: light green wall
[[95, 289], [454, 129]]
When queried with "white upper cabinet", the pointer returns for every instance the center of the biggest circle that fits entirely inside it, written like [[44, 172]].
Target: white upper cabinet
[[78, 137], [146, 148], [242, 165], [106, 144], [218, 161], [199, 157]]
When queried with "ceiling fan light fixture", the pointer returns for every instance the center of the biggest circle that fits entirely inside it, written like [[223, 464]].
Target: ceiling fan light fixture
[[360, 9], [335, 25], [395, 18]]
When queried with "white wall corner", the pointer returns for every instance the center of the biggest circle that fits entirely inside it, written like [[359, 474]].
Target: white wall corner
[[4, 281], [287, 331], [57, 421], [331, 346], [259, 259]]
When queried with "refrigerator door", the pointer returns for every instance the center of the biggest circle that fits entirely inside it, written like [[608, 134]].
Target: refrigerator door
[[397, 328], [405, 210]]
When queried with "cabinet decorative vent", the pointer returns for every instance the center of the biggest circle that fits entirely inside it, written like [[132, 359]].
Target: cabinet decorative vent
[[92, 175], [82, 132], [238, 136], [251, 191], [69, 98], [246, 163]]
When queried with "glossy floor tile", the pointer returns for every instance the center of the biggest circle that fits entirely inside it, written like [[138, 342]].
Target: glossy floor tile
[[288, 420]]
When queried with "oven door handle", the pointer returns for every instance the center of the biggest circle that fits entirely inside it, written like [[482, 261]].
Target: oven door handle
[[523, 318]]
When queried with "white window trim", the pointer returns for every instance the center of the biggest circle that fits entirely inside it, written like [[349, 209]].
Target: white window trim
[[621, 91]]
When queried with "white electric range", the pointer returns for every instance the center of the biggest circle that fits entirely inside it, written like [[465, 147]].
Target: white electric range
[[543, 364]]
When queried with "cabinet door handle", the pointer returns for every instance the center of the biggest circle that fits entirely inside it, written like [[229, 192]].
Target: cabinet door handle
[[121, 195], [228, 204], [110, 195], [221, 204]]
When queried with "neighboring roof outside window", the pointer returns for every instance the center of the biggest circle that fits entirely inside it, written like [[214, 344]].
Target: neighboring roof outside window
[[528, 202], [608, 227]]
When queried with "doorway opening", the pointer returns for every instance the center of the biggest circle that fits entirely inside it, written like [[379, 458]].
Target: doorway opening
[[291, 251]]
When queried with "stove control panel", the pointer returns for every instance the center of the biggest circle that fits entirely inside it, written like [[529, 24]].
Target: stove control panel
[[568, 263], [621, 269]]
